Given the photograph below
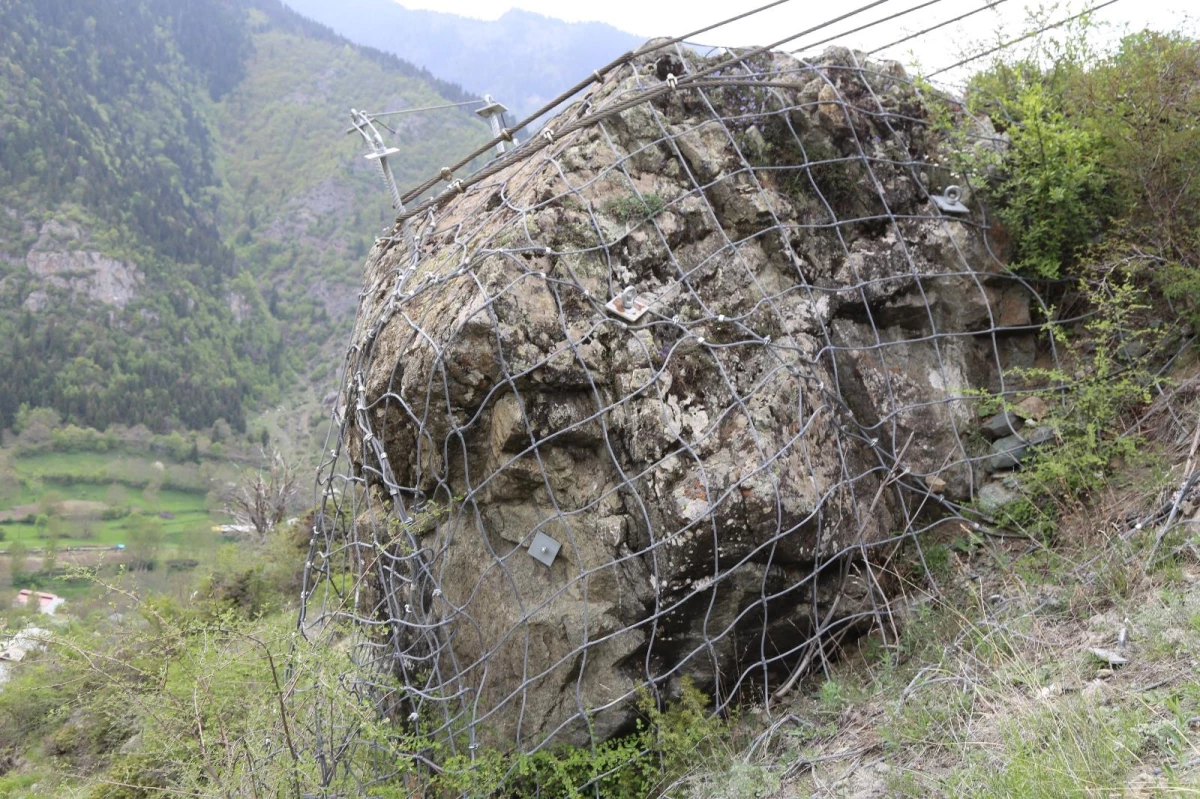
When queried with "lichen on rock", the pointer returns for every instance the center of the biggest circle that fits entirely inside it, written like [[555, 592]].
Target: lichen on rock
[[719, 471]]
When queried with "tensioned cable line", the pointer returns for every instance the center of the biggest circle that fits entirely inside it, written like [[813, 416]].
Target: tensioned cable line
[[1019, 39], [869, 25], [932, 28], [445, 611], [428, 108], [454, 639], [537, 143], [598, 75], [416, 111]]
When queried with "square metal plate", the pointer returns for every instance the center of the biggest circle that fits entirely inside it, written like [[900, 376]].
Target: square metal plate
[[641, 304], [949, 206], [544, 548]]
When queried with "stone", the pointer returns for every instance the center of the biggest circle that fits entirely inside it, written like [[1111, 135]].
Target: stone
[[1013, 309], [1007, 453], [1108, 656], [995, 495], [699, 472], [1032, 408], [1010, 452], [1134, 350], [755, 144], [1002, 425], [1095, 691]]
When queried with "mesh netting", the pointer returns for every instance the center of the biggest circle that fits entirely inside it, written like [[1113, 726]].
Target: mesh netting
[[652, 398]]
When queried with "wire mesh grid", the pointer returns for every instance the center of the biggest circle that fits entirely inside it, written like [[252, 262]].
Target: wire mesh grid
[[652, 398]]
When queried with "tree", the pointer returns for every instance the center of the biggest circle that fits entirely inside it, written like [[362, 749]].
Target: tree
[[10, 484], [260, 500], [50, 554], [17, 553], [51, 503], [145, 537]]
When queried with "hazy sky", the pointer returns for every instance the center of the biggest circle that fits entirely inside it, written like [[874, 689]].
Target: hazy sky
[[671, 17]]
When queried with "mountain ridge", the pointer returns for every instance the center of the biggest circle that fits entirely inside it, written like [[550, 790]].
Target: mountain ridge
[[527, 58]]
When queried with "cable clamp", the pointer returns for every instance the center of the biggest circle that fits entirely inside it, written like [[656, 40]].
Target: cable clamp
[[672, 81], [446, 174], [548, 135]]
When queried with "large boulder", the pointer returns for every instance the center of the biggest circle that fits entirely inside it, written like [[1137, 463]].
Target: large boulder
[[715, 473]]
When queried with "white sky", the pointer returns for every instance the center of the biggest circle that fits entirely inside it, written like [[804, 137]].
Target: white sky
[[671, 17]]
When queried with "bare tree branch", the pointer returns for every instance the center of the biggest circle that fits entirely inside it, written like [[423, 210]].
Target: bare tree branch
[[260, 500]]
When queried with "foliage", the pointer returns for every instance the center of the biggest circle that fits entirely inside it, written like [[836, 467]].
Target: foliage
[[143, 541], [667, 744], [218, 694], [1087, 403], [1104, 149], [1054, 198], [117, 153], [1097, 190], [261, 500], [194, 159]]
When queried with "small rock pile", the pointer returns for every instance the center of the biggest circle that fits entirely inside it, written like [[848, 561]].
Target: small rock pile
[[1015, 432]]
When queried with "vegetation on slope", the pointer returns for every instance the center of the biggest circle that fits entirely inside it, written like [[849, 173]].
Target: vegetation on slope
[[104, 126], [299, 204], [999, 673], [200, 145]]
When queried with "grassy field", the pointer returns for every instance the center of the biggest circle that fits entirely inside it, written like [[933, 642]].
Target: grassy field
[[88, 486]]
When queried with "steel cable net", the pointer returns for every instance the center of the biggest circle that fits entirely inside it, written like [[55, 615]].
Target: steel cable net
[[652, 398]]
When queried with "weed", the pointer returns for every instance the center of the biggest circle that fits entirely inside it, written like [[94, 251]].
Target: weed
[[633, 208], [1076, 749], [667, 745]]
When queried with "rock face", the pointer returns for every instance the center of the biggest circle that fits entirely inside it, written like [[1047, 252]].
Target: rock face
[[57, 262], [715, 472]]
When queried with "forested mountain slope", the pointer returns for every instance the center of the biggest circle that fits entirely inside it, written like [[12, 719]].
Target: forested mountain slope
[[179, 207], [300, 205]]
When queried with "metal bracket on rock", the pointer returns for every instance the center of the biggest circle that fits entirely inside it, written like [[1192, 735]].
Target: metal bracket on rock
[[629, 304], [544, 548], [950, 201]]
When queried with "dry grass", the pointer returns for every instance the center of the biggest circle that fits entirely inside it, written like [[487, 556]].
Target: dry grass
[[991, 690]]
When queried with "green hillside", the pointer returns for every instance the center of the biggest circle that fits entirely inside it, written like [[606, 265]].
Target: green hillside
[[181, 216], [300, 205]]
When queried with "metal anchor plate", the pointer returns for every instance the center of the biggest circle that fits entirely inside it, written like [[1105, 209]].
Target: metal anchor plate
[[950, 201], [544, 548], [629, 304]]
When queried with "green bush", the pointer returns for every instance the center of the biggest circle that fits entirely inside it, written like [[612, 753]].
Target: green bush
[[1099, 172], [667, 744], [1053, 201]]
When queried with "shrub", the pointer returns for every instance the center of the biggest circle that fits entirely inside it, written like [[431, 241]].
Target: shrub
[[1086, 406], [1053, 200], [667, 744]]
